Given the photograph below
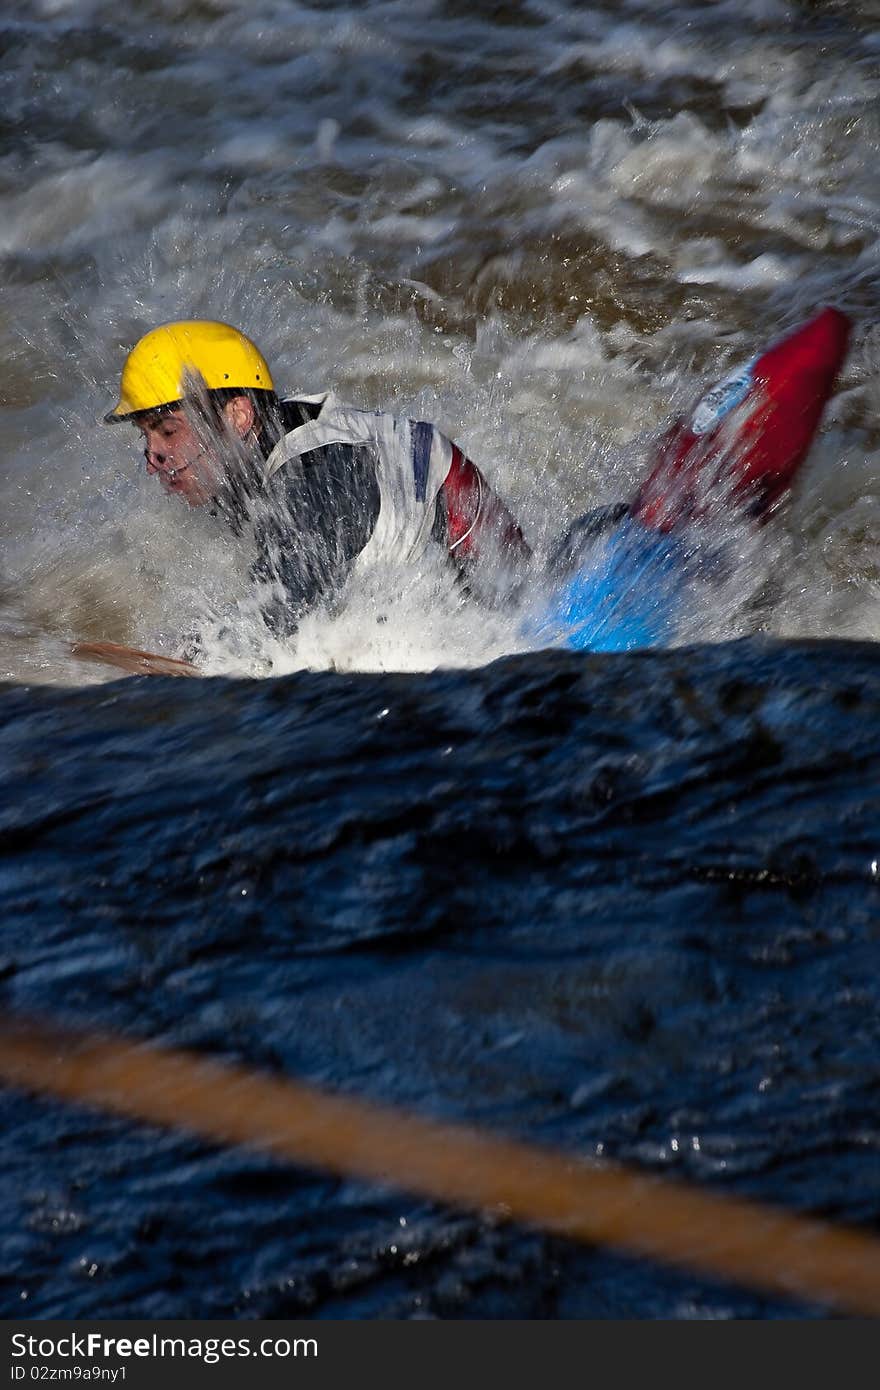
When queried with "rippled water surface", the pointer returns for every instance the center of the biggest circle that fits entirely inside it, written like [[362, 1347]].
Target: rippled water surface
[[619, 905]]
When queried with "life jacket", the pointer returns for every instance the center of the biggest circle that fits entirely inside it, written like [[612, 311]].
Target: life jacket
[[428, 490]]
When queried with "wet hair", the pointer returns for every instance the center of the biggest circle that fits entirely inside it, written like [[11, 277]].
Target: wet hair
[[266, 406], [209, 405], [264, 402], [267, 412]]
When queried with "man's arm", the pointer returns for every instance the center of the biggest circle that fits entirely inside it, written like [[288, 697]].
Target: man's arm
[[477, 528]]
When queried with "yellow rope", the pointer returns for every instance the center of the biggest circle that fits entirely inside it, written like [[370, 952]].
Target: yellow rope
[[605, 1204]]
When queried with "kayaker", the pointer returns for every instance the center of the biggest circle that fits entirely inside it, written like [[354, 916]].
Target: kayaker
[[326, 486]]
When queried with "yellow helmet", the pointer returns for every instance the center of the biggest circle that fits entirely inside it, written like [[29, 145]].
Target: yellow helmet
[[155, 370]]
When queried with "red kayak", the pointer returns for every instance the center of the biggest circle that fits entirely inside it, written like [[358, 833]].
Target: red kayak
[[623, 573], [745, 439]]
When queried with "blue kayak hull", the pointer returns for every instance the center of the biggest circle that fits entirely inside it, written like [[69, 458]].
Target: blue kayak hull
[[628, 593]]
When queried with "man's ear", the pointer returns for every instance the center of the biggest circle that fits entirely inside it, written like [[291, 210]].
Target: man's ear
[[239, 413]]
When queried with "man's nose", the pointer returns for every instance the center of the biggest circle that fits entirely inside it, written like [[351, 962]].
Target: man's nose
[[155, 459]]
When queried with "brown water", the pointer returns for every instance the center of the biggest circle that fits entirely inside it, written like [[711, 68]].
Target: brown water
[[543, 225]]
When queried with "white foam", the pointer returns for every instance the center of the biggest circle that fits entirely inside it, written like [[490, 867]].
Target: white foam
[[317, 171], [766, 269]]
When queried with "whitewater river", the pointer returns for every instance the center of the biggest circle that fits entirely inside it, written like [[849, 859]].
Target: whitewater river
[[627, 906]]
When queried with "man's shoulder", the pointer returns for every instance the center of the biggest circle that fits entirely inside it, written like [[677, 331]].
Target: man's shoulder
[[314, 424], [298, 409], [319, 426]]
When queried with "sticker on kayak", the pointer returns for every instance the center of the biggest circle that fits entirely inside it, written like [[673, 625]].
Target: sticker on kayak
[[722, 399]]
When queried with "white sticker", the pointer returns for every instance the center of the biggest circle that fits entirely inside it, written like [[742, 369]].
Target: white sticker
[[722, 398]]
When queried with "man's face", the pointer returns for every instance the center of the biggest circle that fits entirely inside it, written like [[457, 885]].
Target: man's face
[[173, 450]]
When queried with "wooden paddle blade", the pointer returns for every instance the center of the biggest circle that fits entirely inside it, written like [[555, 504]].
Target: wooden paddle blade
[[135, 662], [605, 1203]]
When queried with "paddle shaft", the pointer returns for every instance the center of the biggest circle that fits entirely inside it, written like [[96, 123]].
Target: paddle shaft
[[133, 661], [606, 1204]]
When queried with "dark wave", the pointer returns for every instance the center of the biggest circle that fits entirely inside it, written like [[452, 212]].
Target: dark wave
[[625, 905]]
